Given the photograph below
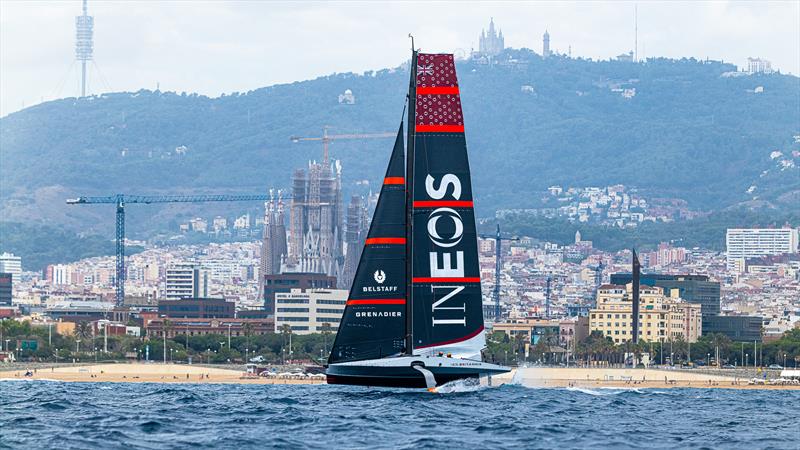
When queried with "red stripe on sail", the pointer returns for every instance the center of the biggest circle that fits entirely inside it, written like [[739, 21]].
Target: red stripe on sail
[[394, 180], [376, 241], [438, 203], [446, 280], [439, 128], [454, 341], [378, 301], [433, 90]]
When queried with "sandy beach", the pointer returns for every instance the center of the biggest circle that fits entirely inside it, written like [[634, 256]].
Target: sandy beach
[[542, 377], [538, 377], [150, 373]]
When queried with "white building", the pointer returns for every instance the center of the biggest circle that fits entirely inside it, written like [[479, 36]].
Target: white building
[[758, 65], [9, 263], [198, 224], [219, 224], [742, 243], [242, 222], [347, 98], [185, 280], [306, 310], [491, 43], [62, 274]]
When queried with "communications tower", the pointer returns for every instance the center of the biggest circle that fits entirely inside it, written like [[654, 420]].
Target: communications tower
[[84, 46]]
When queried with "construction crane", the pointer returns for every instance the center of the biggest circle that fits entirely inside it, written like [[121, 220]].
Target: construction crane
[[328, 138], [498, 264], [547, 298], [121, 200]]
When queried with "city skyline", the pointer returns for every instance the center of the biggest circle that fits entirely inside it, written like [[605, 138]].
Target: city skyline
[[588, 199], [177, 48]]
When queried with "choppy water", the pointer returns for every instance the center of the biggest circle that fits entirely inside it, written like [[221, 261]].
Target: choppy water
[[40, 414]]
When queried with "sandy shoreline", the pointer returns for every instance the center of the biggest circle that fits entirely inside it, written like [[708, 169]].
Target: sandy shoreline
[[149, 373], [546, 377]]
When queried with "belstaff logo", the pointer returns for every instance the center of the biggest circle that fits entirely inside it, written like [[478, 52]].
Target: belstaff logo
[[379, 276]]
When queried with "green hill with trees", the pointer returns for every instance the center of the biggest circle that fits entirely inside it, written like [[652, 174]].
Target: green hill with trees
[[689, 129]]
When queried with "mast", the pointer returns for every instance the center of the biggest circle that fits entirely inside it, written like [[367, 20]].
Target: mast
[[412, 97]]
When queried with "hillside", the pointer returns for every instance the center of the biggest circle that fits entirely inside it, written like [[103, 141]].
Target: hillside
[[689, 132]]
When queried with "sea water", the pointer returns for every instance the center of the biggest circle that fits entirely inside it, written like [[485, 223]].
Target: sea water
[[44, 414]]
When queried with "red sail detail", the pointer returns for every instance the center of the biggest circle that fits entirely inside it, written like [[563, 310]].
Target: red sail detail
[[438, 102], [436, 70], [453, 341], [378, 301], [439, 128], [443, 203], [453, 90], [394, 180], [377, 241], [446, 280]]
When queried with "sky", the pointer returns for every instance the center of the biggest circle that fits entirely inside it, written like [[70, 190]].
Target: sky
[[215, 47]]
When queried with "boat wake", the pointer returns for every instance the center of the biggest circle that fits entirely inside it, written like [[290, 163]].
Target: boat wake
[[30, 380], [605, 391], [516, 379], [459, 386]]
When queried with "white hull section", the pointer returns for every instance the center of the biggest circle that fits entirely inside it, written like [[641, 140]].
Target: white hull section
[[466, 349]]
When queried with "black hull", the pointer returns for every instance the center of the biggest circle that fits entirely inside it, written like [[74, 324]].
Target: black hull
[[418, 382], [400, 372]]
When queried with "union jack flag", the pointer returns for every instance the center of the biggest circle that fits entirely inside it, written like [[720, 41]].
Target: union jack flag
[[425, 70]]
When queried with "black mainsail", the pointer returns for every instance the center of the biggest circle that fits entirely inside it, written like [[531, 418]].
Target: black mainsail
[[447, 304], [373, 324], [414, 315]]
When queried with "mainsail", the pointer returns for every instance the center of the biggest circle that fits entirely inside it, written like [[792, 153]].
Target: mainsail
[[373, 325], [414, 317], [445, 278]]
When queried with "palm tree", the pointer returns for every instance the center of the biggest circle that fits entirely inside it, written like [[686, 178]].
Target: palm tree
[[286, 330], [248, 331], [166, 327], [82, 331], [326, 331]]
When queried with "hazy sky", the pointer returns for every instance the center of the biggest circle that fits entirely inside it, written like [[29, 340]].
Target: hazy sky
[[219, 47]]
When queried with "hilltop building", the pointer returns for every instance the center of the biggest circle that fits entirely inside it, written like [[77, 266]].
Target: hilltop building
[[308, 310], [546, 45], [758, 65], [491, 43], [625, 57], [347, 98], [661, 317]]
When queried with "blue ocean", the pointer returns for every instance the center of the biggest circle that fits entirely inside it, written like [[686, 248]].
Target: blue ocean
[[42, 414]]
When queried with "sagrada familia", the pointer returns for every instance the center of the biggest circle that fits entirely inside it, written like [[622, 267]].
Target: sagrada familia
[[317, 240]]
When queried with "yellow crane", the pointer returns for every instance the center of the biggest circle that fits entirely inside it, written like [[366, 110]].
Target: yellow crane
[[328, 138]]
